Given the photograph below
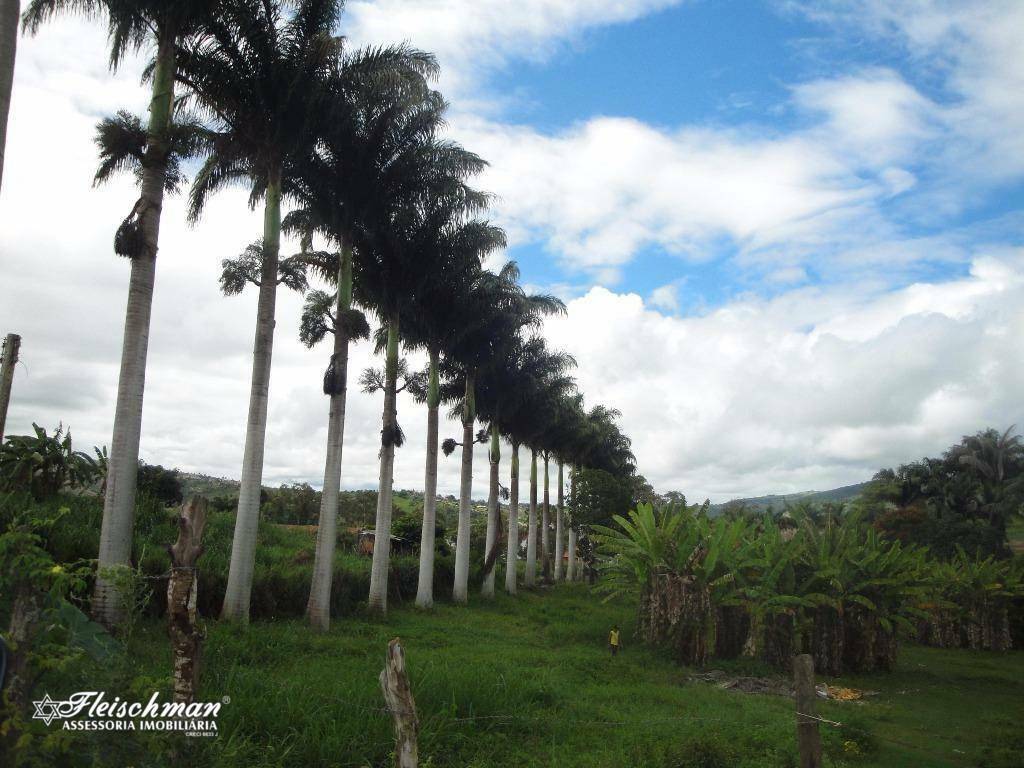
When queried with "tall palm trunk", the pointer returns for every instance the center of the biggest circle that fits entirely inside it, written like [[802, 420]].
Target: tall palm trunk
[[558, 524], [378, 601], [243, 545], [108, 603], [318, 609], [9, 12], [493, 513], [460, 593], [512, 545], [530, 577], [425, 589], [545, 550], [570, 567]]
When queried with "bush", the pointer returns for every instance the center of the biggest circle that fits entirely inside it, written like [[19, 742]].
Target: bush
[[284, 558], [159, 483]]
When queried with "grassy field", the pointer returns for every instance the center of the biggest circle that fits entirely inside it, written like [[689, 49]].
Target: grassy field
[[527, 681]]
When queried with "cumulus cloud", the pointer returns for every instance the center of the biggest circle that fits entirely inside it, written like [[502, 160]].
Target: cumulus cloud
[[602, 191], [972, 51], [475, 37], [874, 113], [665, 297], [813, 389]]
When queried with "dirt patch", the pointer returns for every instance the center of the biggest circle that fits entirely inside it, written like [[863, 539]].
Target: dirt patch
[[774, 686]]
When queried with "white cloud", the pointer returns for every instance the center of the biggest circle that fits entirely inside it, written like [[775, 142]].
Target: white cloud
[[472, 38], [665, 297], [972, 50], [816, 388], [873, 113], [598, 193]]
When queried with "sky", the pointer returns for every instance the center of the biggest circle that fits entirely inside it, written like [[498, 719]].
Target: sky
[[789, 236]]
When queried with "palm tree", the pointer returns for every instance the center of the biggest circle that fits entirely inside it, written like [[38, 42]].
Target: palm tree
[[533, 373], [247, 269], [559, 514], [379, 89], [262, 76], [570, 565], [497, 311], [130, 25], [561, 435], [432, 319], [390, 269], [325, 314], [573, 434], [9, 12], [530, 577], [992, 455], [545, 526]]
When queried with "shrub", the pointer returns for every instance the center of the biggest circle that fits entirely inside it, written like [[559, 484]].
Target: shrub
[[43, 464]]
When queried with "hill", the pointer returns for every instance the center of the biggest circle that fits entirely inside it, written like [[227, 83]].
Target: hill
[[207, 485], [780, 501]]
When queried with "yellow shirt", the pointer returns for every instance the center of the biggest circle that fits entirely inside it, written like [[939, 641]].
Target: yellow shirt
[[613, 637]]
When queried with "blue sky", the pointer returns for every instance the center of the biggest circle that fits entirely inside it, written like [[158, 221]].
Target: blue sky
[[733, 66], [789, 234]]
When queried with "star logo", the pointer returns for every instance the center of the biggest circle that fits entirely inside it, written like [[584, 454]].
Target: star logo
[[47, 710]]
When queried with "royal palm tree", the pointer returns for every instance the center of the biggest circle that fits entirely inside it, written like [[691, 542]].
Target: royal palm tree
[[9, 12], [325, 314], [545, 527], [130, 25], [576, 433], [561, 434], [378, 93], [496, 313], [262, 76], [532, 373], [559, 516], [390, 268], [432, 319]]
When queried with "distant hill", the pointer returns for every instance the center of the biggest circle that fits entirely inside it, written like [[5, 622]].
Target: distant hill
[[779, 501], [208, 486], [224, 487]]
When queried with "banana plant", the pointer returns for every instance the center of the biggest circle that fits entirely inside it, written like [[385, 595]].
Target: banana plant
[[44, 464]]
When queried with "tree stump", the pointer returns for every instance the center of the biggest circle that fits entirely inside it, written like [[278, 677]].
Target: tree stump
[[394, 683], [807, 735], [182, 592]]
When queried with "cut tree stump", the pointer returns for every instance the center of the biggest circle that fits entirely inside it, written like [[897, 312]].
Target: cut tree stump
[[182, 593], [394, 683]]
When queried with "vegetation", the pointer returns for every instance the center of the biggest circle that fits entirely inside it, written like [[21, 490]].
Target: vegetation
[[528, 681], [966, 498], [382, 205], [728, 587], [44, 464]]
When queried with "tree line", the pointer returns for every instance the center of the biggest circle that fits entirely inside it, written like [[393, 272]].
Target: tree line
[[344, 149]]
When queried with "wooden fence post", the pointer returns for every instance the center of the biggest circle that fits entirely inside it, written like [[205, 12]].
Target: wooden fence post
[[807, 735], [394, 682], [182, 594], [8, 358]]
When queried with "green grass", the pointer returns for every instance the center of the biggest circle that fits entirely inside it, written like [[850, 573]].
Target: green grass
[[527, 681], [1015, 534]]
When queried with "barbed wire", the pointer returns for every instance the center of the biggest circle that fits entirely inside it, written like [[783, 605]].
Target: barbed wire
[[507, 717]]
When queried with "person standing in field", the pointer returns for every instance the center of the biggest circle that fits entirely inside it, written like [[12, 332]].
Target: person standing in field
[[613, 640]]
